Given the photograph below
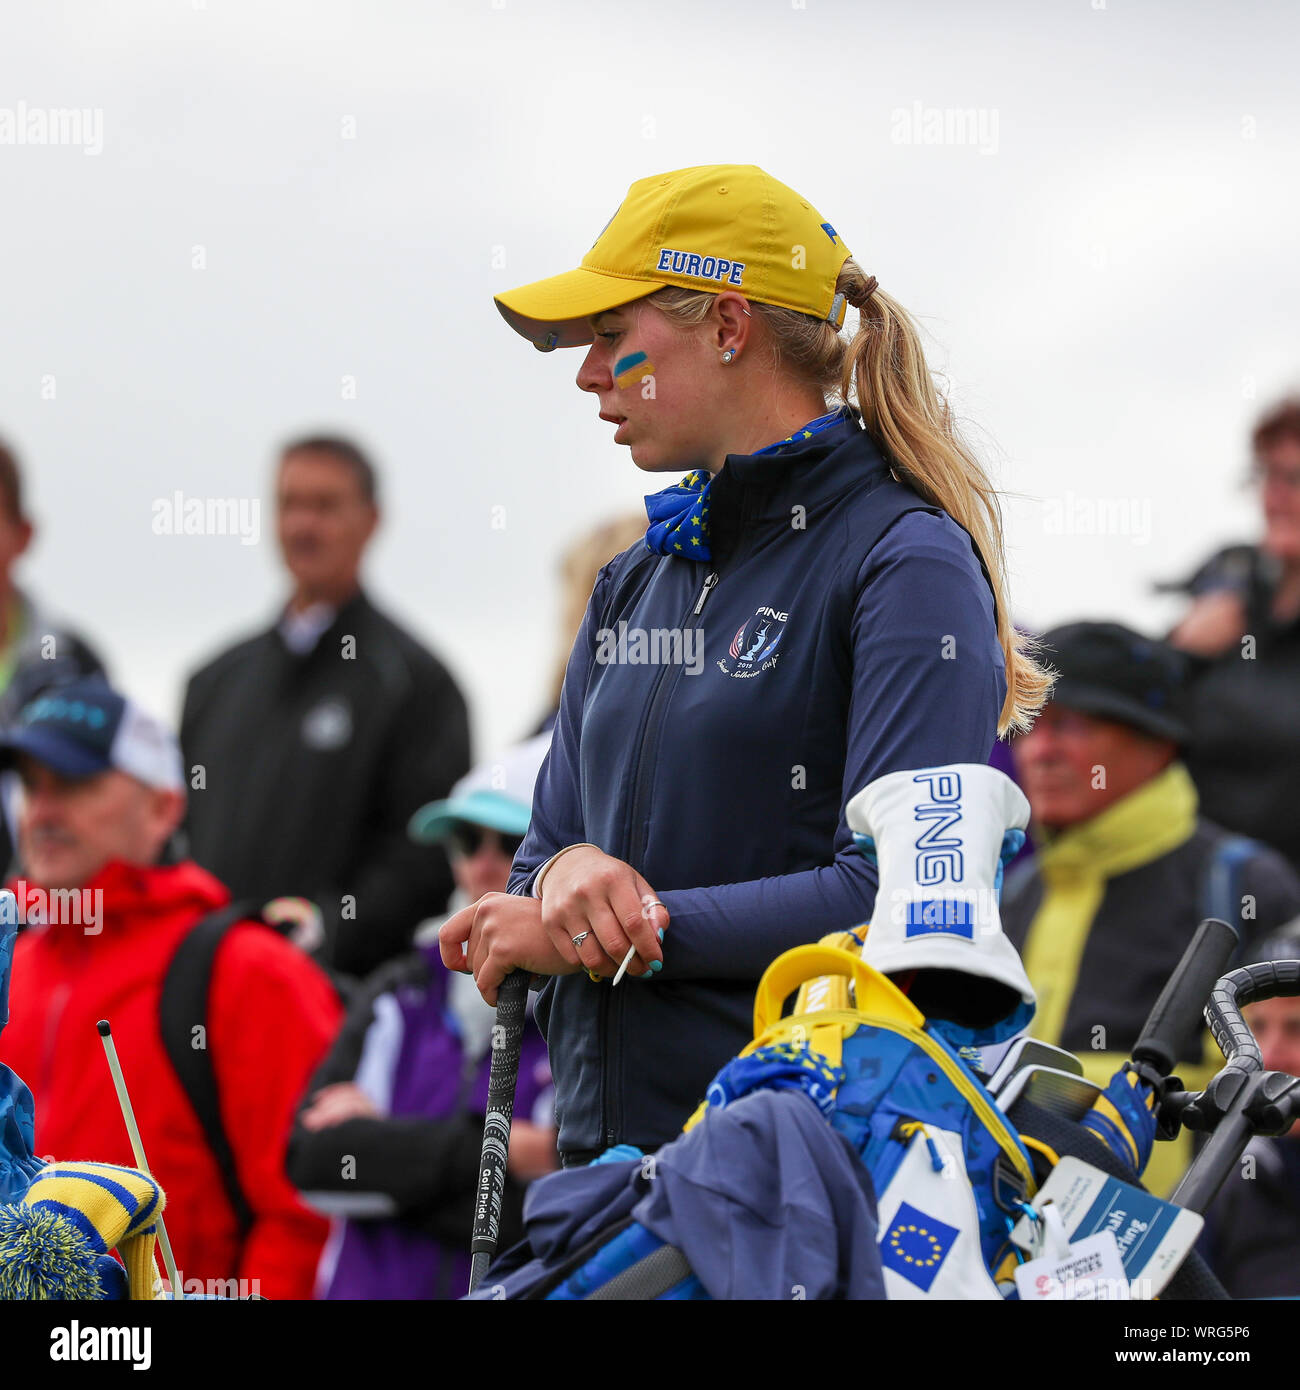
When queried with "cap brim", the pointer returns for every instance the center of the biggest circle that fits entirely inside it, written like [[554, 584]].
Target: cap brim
[[1110, 704], [434, 822], [67, 757], [553, 313]]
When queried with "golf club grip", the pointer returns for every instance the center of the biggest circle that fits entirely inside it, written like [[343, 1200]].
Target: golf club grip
[[1271, 979], [1178, 1010], [507, 1035]]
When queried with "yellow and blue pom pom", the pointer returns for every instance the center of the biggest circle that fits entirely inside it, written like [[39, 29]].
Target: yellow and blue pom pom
[[44, 1256]]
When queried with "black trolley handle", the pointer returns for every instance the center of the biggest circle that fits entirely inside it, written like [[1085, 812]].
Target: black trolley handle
[[1177, 1012], [1234, 1096], [1270, 979]]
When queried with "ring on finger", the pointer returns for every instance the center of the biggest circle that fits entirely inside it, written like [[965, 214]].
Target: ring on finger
[[579, 939]]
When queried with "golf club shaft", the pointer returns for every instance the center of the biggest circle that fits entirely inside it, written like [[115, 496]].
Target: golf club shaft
[[137, 1148]]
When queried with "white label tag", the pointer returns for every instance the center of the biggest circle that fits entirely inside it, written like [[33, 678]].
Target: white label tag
[[1092, 1269], [1153, 1236]]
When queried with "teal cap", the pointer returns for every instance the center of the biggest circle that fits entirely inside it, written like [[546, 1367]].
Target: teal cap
[[497, 794]]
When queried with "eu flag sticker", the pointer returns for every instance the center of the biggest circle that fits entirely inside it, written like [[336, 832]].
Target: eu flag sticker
[[916, 1245], [941, 917]]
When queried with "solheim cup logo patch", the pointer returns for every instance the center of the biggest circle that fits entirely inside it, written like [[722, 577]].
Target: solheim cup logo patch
[[916, 1245], [753, 648]]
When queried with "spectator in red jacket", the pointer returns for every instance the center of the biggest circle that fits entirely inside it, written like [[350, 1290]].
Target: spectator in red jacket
[[103, 791]]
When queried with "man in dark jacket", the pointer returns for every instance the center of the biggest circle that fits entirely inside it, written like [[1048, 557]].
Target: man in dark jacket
[[309, 746], [1125, 868]]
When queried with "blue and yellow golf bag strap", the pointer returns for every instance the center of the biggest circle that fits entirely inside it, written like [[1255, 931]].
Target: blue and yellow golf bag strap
[[884, 1079]]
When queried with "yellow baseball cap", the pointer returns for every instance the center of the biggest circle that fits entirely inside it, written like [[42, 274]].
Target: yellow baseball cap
[[713, 227]]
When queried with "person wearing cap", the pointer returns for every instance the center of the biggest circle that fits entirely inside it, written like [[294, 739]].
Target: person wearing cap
[[403, 1090], [817, 602], [319, 736], [103, 792], [1241, 632], [1125, 868], [1251, 1238]]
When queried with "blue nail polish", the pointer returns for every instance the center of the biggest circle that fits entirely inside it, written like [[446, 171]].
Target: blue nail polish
[[656, 966], [661, 933]]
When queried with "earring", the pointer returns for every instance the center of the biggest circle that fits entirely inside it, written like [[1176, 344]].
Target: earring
[[729, 355]]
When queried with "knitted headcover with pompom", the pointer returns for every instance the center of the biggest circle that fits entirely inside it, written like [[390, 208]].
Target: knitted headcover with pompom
[[55, 1243]]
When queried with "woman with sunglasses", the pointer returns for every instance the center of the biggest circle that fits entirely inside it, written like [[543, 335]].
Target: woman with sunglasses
[[388, 1136], [819, 601]]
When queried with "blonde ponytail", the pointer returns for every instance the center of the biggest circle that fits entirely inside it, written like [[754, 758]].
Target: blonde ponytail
[[882, 370], [885, 371]]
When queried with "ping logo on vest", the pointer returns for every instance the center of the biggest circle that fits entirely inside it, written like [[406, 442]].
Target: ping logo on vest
[[753, 648], [701, 267]]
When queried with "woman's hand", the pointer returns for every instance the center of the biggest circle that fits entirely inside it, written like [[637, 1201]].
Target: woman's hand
[[331, 1105], [532, 1151], [499, 933], [1215, 622], [587, 893]]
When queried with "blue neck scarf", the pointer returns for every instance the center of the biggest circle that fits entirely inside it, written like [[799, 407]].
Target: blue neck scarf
[[679, 515]]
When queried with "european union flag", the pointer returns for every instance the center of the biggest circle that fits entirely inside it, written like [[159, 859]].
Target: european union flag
[[916, 1245], [941, 917]]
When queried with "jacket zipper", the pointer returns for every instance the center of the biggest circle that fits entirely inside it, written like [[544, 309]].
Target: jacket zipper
[[611, 1117], [709, 582], [55, 1010], [653, 713], [72, 963]]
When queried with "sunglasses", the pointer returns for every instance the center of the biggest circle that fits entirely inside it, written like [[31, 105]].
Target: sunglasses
[[467, 840]]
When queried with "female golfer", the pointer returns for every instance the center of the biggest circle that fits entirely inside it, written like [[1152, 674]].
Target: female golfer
[[819, 601]]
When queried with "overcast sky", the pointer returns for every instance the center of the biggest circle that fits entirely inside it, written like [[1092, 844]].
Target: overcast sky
[[274, 199]]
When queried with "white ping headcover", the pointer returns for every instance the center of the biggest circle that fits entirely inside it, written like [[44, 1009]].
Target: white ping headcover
[[940, 837]]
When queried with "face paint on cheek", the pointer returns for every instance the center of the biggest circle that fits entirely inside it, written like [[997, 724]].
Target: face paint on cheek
[[629, 370]]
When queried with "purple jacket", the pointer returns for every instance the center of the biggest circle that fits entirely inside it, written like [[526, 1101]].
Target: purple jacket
[[401, 1187]]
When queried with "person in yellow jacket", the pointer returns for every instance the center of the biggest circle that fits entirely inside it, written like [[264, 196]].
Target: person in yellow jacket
[[1125, 868]]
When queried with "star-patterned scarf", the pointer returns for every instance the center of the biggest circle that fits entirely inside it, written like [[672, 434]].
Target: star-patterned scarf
[[679, 515]]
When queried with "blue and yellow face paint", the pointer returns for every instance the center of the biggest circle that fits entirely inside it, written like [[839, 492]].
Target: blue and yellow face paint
[[630, 370]]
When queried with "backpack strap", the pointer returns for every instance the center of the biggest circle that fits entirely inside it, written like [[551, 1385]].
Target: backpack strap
[[1221, 886], [183, 1005]]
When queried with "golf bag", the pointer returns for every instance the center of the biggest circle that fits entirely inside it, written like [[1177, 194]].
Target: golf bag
[[881, 1100]]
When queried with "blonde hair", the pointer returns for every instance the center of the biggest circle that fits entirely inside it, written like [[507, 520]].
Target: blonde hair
[[882, 370], [579, 566]]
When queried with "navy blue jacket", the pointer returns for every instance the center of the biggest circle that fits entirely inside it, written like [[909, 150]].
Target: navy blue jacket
[[847, 631]]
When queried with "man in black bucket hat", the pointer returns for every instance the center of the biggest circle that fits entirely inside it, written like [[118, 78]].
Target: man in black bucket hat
[[1125, 867]]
